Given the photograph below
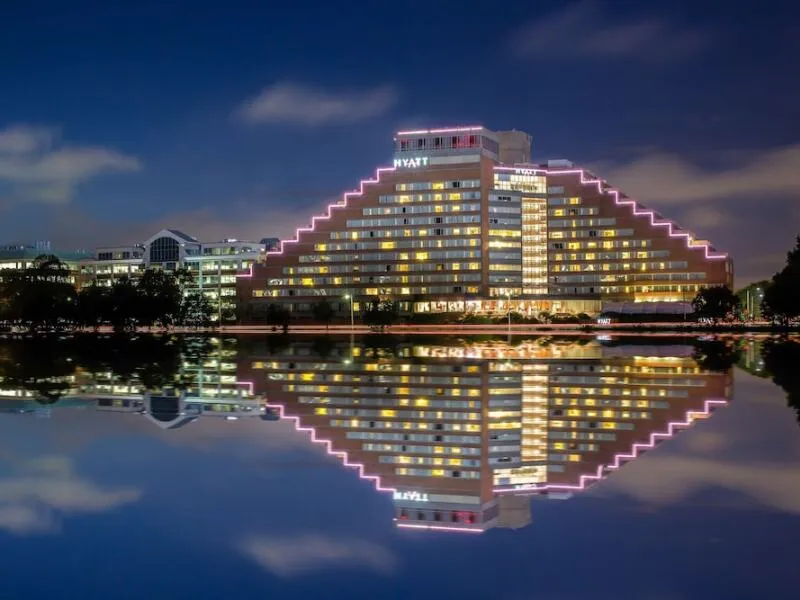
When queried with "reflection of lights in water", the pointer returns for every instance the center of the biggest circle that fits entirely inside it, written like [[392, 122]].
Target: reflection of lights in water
[[672, 428]]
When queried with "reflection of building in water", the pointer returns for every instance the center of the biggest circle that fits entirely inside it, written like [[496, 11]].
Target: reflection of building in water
[[456, 433], [205, 388]]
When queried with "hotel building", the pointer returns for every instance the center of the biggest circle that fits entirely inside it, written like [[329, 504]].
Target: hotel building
[[214, 265], [462, 221], [457, 433]]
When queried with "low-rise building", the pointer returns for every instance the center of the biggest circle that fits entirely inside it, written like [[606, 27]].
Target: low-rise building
[[23, 256], [214, 265]]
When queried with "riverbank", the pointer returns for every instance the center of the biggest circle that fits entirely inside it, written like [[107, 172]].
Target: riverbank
[[757, 330]]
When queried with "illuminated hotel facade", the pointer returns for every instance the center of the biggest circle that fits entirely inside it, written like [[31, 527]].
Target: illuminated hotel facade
[[459, 435], [463, 222]]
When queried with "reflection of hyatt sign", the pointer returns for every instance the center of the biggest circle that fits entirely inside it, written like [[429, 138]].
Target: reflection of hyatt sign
[[411, 496], [526, 171], [411, 163]]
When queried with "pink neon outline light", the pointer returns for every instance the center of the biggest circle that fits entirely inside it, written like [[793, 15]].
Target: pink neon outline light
[[444, 130], [311, 228], [584, 181], [633, 204], [584, 481], [329, 448], [438, 527]]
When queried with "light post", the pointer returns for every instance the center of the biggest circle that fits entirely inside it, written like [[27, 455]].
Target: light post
[[352, 327], [352, 322], [508, 297]]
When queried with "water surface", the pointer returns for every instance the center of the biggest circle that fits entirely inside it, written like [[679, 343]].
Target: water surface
[[228, 478]]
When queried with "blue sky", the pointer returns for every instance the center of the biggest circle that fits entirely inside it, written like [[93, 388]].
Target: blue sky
[[242, 119]]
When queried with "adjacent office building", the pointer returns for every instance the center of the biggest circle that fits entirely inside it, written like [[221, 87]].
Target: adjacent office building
[[456, 433], [213, 265], [462, 221], [23, 256]]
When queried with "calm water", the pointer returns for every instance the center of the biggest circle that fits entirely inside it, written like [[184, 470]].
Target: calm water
[[522, 471]]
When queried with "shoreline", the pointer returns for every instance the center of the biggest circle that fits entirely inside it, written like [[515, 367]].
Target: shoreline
[[625, 329]]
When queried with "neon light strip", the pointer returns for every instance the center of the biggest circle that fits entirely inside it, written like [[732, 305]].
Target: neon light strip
[[325, 217], [585, 480], [439, 528], [633, 204], [329, 448], [445, 130], [584, 181]]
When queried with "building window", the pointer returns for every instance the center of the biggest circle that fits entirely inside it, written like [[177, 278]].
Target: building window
[[165, 250]]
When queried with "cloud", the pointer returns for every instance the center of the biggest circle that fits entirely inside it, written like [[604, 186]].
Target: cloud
[[705, 217], [31, 499], [36, 168], [306, 105], [667, 178], [21, 139], [288, 557], [249, 220], [663, 481], [585, 30]]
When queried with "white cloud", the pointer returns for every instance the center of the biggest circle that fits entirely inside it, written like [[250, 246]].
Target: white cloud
[[36, 169], [31, 499], [288, 557], [666, 178], [706, 217], [72, 228], [306, 105], [584, 30], [22, 139], [663, 481]]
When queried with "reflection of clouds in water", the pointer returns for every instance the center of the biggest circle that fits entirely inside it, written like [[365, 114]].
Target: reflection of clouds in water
[[706, 442], [32, 496], [750, 449], [287, 557], [668, 480]]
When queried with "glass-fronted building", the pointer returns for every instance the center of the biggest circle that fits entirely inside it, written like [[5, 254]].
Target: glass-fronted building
[[214, 265], [462, 221]]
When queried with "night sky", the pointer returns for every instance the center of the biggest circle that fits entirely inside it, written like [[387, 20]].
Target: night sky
[[241, 119]]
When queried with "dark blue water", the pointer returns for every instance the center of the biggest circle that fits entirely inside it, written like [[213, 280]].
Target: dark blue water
[[109, 505]]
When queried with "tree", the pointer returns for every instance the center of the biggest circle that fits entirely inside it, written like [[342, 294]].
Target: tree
[[716, 303], [381, 314], [717, 356], [323, 312], [94, 306], [781, 302], [41, 296], [195, 311], [781, 360], [279, 316], [124, 305], [160, 295]]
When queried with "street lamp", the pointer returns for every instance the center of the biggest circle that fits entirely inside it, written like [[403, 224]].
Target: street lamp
[[508, 297], [352, 322]]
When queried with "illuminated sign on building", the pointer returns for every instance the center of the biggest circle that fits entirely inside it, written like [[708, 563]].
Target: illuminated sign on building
[[411, 496], [411, 163], [527, 172]]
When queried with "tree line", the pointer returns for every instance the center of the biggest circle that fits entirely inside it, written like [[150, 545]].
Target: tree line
[[43, 297], [780, 305], [47, 365]]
